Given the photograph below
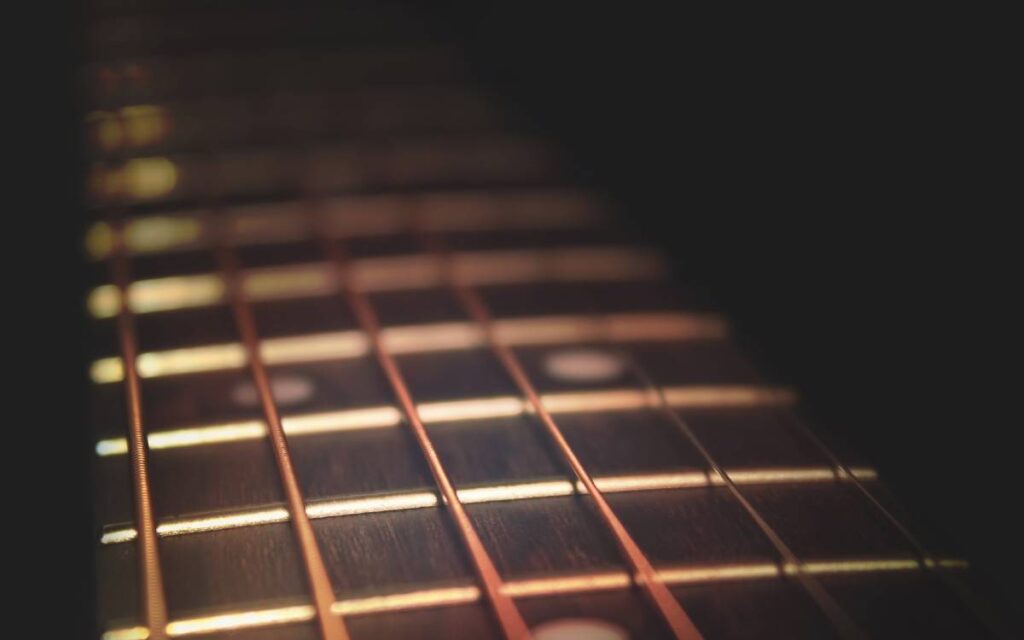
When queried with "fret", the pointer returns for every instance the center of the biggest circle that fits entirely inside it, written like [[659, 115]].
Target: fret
[[555, 267], [317, 580], [653, 588], [716, 593], [377, 416], [154, 79], [473, 493], [174, 356], [838, 618], [362, 114], [271, 172], [364, 217]]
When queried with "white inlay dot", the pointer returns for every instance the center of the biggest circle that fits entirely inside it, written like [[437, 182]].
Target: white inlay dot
[[579, 629], [288, 390], [584, 365]]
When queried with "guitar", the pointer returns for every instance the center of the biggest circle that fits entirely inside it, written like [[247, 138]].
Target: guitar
[[367, 363]]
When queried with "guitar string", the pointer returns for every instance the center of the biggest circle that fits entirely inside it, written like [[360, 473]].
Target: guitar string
[[330, 626], [506, 612], [651, 584], [838, 617], [924, 556], [153, 598]]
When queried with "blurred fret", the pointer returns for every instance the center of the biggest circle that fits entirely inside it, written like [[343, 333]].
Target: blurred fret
[[356, 108]]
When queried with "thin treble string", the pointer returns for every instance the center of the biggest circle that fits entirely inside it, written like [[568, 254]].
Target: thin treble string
[[791, 564], [331, 627], [154, 599], [151, 576], [507, 615], [655, 589], [925, 558]]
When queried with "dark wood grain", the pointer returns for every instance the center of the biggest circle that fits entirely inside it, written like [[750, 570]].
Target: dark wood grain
[[274, 108]]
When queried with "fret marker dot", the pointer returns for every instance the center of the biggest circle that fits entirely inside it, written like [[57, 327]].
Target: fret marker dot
[[579, 629], [288, 390], [584, 365]]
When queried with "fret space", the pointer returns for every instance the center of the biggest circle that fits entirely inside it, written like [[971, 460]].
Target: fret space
[[630, 443], [692, 527], [469, 373], [220, 570], [302, 316], [373, 462], [490, 452], [306, 129], [568, 298], [428, 306], [544, 537], [845, 523], [905, 606], [755, 438], [754, 610]]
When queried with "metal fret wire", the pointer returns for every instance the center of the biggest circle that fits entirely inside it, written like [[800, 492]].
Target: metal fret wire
[[835, 613], [331, 627], [511, 622], [151, 584], [666, 604]]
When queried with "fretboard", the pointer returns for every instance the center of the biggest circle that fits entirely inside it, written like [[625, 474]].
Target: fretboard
[[460, 345]]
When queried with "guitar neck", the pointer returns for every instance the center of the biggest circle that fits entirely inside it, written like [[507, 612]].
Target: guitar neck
[[368, 363]]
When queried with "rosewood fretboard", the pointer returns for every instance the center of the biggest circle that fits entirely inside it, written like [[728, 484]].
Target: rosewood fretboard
[[398, 376]]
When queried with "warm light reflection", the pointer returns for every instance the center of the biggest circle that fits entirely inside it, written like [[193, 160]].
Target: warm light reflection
[[221, 522], [471, 409], [297, 425], [99, 240], [138, 179], [355, 216], [432, 337], [567, 584], [524, 588], [724, 573], [410, 339], [132, 633], [425, 599], [336, 345], [733, 396], [372, 504], [596, 402], [292, 281], [432, 413], [191, 360], [859, 565], [163, 294], [329, 508], [648, 482], [240, 620], [159, 233], [522, 491], [132, 127], [377, 274], [344, 420]]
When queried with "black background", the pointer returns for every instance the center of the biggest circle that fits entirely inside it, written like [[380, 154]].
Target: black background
[[831, 179]]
